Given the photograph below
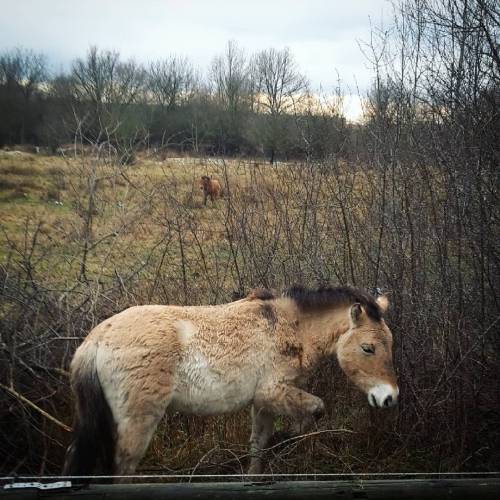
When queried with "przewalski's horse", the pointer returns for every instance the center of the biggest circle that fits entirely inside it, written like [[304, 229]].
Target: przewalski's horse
[[211, 188], [210, 360]]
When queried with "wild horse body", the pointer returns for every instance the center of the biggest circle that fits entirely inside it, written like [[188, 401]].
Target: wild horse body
[[210, 360]]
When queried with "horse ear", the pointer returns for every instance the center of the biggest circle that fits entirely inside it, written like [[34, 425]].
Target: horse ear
[[356, 312], [383, 302]]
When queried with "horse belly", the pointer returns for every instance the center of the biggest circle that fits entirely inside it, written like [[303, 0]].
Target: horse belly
[[203, 389]]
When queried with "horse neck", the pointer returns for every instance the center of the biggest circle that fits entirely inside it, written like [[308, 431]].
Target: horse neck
[[319, 331]]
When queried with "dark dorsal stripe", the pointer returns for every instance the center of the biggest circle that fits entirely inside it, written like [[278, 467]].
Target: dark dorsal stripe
[[262, 294], [325, 297]]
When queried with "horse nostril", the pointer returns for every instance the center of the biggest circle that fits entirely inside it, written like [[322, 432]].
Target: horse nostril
[[374, 400], [388, 401]]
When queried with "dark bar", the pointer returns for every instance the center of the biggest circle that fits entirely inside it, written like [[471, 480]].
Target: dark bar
[[402, 489]]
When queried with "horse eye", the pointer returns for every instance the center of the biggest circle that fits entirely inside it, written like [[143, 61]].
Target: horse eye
[[368, 348]]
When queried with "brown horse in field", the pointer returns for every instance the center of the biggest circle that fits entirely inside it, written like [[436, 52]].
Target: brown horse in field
[[211, 360], [211, 188]]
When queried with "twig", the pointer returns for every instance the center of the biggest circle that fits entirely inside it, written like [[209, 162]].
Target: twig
[[309, 434], [20, 397]]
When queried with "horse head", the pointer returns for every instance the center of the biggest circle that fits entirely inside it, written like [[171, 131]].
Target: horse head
[[365, 354]]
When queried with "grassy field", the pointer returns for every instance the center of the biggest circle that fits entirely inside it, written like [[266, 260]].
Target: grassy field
[[130, 213]]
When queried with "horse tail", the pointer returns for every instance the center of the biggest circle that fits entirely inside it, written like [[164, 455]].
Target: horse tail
[[94, 429]]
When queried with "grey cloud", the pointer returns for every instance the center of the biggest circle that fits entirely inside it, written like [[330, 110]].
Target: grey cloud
[[321, 33]]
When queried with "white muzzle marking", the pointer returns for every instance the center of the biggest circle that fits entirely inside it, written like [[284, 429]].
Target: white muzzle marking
[[383, 396]]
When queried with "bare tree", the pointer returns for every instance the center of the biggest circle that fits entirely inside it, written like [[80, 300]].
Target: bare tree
[[23, 69], [230, 78], [231, 89], [280, 88], [171, 81], [279, 82], [107, 84], [22, 72]]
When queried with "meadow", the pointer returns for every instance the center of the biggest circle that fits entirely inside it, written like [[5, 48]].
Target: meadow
[[83, 237]]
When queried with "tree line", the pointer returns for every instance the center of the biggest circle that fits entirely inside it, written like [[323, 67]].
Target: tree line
[[253, 105]]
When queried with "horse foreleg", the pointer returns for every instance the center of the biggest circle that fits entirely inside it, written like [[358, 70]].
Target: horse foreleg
[[287, 400], [291, 401], [277, 400], [262, 428]]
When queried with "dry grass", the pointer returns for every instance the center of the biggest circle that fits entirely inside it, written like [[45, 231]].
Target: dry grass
[[135, 202]]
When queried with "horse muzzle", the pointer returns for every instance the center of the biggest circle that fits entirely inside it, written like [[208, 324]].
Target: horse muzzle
[[383, 396]]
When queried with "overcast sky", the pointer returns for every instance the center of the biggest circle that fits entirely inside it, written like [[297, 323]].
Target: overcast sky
[[322, 34]]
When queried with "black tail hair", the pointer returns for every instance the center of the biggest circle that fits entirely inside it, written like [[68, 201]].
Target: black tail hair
[[94, 430]]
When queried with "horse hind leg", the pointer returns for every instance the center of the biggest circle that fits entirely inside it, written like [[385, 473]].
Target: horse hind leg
[[138, 401], [139, 382], [137, 420], [133, 437]]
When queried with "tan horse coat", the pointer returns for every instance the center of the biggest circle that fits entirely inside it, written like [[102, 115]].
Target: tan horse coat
[[210, 360]]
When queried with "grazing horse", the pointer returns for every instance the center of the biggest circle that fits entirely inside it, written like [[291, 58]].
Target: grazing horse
[[211, 360], [211, 188]]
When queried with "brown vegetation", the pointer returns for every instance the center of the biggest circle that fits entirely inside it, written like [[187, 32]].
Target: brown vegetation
[[67, 267]]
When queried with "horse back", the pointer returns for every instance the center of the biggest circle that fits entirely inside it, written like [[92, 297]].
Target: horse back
[[151, 331]]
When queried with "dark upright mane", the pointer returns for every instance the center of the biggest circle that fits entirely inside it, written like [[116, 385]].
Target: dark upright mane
[[325, 297]]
